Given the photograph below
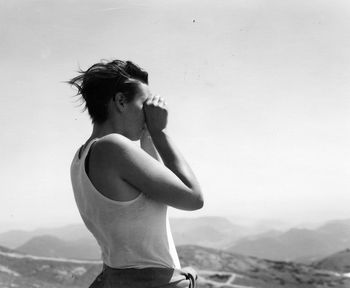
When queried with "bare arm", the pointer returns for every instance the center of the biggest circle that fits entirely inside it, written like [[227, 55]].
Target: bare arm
[[156, 115], [121, 157], [147, 145], [174, 160]]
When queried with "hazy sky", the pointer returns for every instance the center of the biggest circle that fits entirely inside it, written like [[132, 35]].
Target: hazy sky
[[258, 93]]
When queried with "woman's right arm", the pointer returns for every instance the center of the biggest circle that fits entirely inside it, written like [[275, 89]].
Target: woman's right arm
[[156, 115], [173, 159], [177, 188]]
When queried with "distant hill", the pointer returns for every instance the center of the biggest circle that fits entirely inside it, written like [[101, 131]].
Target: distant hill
[[339, 262], [7, 250], [72, 232], [341, 228], [216, 268], [266, 234], [51, 246], [215, 232], [15, 238], [298, 243]]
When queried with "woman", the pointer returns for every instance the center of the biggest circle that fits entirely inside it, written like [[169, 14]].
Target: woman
[[121, 190]]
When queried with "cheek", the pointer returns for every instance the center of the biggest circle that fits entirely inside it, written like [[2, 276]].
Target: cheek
[[139, 117], [142, 119], [141, 114]]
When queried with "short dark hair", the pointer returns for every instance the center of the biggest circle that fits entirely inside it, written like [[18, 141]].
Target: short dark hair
[[100, 83]]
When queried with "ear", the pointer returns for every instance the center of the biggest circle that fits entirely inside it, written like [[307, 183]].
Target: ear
[[119, 100]]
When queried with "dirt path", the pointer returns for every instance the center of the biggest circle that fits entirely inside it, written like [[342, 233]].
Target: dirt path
[[203, 276]]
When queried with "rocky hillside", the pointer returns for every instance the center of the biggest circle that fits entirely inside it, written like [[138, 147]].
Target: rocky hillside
[[234, 269], [216, 268], [339, 262], [24, 271]]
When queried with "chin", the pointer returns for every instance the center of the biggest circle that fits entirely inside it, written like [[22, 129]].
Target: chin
[[136, 137], [140, 135]]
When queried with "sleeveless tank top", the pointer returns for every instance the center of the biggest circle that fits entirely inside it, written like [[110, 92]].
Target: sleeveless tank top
[[131, 234]]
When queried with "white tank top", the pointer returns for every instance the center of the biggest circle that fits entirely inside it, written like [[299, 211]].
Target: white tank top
[[131, 234]]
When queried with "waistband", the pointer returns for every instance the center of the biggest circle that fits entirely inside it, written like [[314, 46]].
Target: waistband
[[151, 277]]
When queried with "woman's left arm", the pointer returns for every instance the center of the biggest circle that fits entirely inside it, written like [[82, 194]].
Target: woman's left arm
[[148, 146]]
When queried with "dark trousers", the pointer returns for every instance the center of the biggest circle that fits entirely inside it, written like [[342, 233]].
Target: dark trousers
[[145, 278]]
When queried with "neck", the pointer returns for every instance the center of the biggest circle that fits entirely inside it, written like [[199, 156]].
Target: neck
[[105, 128]]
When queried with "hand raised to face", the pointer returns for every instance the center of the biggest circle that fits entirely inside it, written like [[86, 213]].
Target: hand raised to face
[[156, 114]]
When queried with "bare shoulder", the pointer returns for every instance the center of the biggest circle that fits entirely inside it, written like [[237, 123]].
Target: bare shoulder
[[115, 150], [114, 139], [108, 164], [113, 144]]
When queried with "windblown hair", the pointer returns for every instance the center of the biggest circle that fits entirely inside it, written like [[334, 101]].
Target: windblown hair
[[100, 83]]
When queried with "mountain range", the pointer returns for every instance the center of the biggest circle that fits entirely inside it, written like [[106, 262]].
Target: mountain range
[[304, 245], [215, 232], [296, 244], [216, 268]]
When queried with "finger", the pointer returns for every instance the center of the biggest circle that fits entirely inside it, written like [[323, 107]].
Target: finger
[[162, 102], [149, 99], [156, 99]]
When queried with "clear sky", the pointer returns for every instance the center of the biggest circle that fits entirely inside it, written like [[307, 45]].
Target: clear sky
[[258, 93]]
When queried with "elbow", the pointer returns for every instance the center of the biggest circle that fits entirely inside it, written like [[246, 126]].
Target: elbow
[[191, 202], [198, 203], [201, 202]]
